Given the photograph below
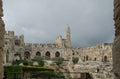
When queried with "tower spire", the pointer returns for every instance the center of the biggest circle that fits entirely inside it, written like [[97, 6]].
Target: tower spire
[[68, 34]]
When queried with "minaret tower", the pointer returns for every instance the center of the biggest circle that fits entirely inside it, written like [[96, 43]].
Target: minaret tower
[[68, 34], [68, 37]]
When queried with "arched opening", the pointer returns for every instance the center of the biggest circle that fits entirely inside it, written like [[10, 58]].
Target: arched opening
[[38, 54], [84, 58], [47, 54], [57, 54], [105, 59], [7, 56], [73, 54], [27, 55], [87, 58], [85, 75], [95, 59]]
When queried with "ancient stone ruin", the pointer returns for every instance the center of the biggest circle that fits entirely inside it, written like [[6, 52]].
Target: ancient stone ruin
[[116, 46], [2, 31], [90, 58]]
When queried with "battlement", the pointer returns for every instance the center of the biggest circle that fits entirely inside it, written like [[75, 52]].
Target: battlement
[[97, 47], [40, 45], [11, 33]]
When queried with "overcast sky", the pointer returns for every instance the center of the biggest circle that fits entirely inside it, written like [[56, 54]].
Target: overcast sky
[[41, 21]]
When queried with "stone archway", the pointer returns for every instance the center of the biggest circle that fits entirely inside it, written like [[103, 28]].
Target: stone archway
[[7, 56], [85, 75], [84, 58], [27, 55], [57, 54], [105, 59], [38, 53], [87, 58], [95, 59], [47, 54]]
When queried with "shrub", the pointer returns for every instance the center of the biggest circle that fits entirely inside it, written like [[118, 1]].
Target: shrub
[[13, 72], [75, 60], [40, 60], [16, 72], [58, 60]]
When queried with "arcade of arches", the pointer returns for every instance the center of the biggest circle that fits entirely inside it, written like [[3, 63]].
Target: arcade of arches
[[27, 54]]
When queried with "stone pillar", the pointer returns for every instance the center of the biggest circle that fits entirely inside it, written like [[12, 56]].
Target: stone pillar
[[116, 45], [2, 32]]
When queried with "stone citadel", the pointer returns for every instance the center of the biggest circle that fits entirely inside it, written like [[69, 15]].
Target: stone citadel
[[90, 58], [60, 48], [115, 49]]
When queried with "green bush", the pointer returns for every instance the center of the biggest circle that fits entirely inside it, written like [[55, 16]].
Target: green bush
[[40, 60], [18, 54], [42, 72], [13, 71], [25, 62], [16, 72], [75, 60], [58, 60]]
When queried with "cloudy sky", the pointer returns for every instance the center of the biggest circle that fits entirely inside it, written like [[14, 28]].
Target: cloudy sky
[[41, 21]]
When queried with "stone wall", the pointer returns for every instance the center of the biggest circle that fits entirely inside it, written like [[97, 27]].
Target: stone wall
[[15, 44], [100, 52], [116, 45], [2, 31]]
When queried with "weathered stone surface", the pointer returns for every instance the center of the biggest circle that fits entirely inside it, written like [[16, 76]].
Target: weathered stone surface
[[116, 45], [15, 44], [2, 31], [90, 58]]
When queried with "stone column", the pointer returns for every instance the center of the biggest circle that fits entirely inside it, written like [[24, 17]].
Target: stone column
[[116, 44], [2, 32]]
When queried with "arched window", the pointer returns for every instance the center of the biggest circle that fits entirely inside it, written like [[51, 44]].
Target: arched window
[[73, 54], [47, 54], [57, 54], [84, 58], [95, 59], [105, 59], [7, 56], [87, 58], [27, 55], [38, 54]]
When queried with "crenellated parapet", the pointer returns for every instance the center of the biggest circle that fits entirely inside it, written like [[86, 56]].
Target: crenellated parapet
[[95, 53]]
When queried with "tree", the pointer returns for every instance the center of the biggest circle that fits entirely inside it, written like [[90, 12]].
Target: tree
[[75, 60]]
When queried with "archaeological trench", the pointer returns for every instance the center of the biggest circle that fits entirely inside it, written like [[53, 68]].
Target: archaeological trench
[[116, 45]]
